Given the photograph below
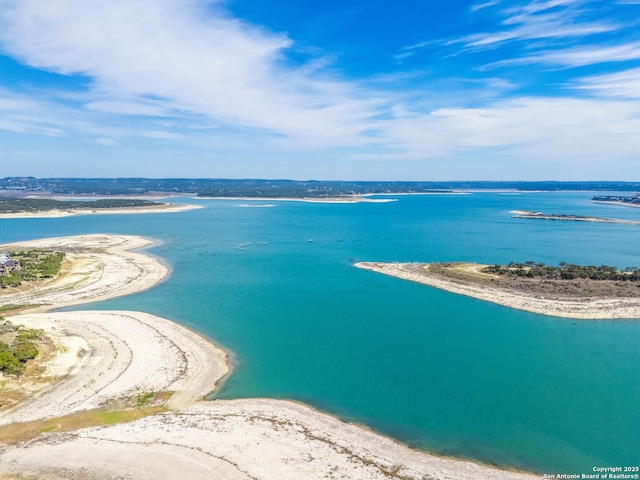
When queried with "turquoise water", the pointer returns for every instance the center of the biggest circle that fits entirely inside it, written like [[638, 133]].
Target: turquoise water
[[439, 371]]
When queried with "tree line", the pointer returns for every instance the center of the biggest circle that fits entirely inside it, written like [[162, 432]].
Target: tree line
[[565, 271], [18, 205]]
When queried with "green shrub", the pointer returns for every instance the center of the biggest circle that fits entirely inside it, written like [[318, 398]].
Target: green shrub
[[9, 364], [24, 351]]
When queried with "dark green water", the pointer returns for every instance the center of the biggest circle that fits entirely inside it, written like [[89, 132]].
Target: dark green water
[[443, 372]]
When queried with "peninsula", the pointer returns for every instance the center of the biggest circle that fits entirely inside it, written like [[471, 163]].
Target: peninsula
[[13, 207], [105, 368], [580, 298], [629, 201], [570, 218]]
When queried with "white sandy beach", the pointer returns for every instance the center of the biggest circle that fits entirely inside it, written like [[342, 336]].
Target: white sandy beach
[[106, 356], [346, 199], [557, 307], [161, 208], [236, 440], [624, 204]]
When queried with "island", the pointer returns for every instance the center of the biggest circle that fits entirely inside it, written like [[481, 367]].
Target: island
[[568, 291], [119, 394], [570, 218]]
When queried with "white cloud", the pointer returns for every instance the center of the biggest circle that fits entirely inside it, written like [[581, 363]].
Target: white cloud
[[191, 56], [162, 135], [124, 107], [481, 6], [539, 20], [575, 57], [624, 84], [563, 130], [184, 71], [107, 142]]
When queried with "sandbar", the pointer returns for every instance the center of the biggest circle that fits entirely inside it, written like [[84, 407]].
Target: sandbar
[[556, 306], [105, 357]]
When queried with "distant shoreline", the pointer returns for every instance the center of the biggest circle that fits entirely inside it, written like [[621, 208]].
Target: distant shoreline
[[566, 307]]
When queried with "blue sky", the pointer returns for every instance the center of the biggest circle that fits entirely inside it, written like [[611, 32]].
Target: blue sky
[[376, 89]]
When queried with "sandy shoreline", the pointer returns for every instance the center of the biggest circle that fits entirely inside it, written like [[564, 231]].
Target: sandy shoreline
[[624, 204], [162, 208], [353, 199], [108, 356], [588, 309]]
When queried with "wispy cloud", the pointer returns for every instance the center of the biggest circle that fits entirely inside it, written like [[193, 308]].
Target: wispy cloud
[[575, 57], [22, 114], [190, 55], [125, 107], [551, 19], [107, 142], [162, 135], [481, 6], [190, 75], [624, 84]]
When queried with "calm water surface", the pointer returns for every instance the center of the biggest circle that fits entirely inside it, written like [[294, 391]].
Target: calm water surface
[[446, 373]]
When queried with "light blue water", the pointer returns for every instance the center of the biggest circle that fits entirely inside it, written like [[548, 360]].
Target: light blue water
[[443, 372]]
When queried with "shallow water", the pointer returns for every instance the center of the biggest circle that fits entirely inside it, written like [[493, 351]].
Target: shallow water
[[443, 372]]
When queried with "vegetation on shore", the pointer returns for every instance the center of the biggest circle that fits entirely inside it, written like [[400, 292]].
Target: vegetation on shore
[[565, 280], [24, 431], [565, 271], [30, 205], [35, 264], [634, 200], [17, 346]]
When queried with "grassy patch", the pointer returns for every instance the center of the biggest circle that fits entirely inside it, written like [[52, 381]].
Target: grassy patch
[[11, 308], [20, 432]]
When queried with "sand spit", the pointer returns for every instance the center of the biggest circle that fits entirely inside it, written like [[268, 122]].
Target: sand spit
[[161, 208], [569, 218], [613, 308], [109, 356], [98, 267], [106, 357]]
